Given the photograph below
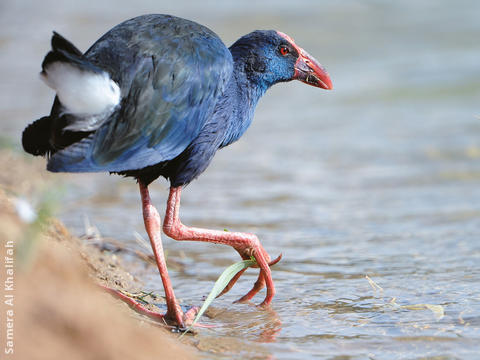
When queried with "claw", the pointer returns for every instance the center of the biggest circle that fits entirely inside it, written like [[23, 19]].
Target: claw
[[273, 262]]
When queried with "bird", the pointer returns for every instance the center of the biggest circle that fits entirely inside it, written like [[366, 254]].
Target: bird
[[157, 96]]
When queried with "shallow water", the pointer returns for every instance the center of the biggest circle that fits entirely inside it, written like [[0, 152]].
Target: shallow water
[[379, 177]]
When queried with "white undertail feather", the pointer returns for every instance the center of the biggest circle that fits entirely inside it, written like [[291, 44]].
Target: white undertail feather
[[82, 92]]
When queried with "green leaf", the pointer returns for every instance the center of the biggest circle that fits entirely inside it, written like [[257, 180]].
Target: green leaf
[[220, 284]]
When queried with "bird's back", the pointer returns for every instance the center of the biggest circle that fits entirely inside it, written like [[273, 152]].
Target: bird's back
[[170, 72]]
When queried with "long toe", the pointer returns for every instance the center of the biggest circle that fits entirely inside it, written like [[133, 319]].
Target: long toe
[[264, 278], [259, 285], [176, 319]]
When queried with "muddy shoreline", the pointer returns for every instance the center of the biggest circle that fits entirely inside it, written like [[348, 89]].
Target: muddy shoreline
[[57, 310]]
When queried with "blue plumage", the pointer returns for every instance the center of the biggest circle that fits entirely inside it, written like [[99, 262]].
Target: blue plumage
[[158, 96], [184, 95], [170, 82]]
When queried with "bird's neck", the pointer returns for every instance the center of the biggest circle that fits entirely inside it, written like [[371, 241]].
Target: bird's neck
[[247, 90], [239, 102]]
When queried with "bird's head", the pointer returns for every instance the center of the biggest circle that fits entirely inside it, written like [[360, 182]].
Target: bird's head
[[271, 56]]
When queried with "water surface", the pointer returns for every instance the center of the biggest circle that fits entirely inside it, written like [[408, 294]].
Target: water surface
[[379, 177]]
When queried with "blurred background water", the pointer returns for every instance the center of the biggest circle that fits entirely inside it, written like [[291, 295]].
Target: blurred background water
[[379, 177]]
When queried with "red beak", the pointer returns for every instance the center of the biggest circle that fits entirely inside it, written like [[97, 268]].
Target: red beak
[[309, 71]]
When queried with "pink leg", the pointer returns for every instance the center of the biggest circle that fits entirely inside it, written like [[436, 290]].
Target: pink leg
[[246, 244], [174, 314]]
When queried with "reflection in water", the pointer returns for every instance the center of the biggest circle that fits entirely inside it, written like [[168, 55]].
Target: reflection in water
[[379, 177], [262, 326]]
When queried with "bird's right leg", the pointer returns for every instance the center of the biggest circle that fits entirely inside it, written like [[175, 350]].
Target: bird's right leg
[[174, 314]]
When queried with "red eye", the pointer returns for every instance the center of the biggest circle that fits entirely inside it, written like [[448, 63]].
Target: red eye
[[284, 50]]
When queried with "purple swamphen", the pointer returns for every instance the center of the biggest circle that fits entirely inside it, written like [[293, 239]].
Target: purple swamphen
[[158, 95]]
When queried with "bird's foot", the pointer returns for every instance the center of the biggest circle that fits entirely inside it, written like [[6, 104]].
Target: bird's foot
[[260, 283], [187, 318], [137, 302]]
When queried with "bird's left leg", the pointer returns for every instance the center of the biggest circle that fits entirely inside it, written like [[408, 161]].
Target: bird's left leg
[[174, 315], [152, 222], [246, 244]]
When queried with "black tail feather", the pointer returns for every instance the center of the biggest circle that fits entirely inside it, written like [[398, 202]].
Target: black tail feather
[[60, 43], [36, 137], [64, 51]]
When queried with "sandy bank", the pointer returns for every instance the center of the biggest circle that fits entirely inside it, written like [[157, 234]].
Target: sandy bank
[[57, 310]]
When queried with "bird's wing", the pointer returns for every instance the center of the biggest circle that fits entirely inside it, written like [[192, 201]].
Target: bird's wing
[[176, 80]]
